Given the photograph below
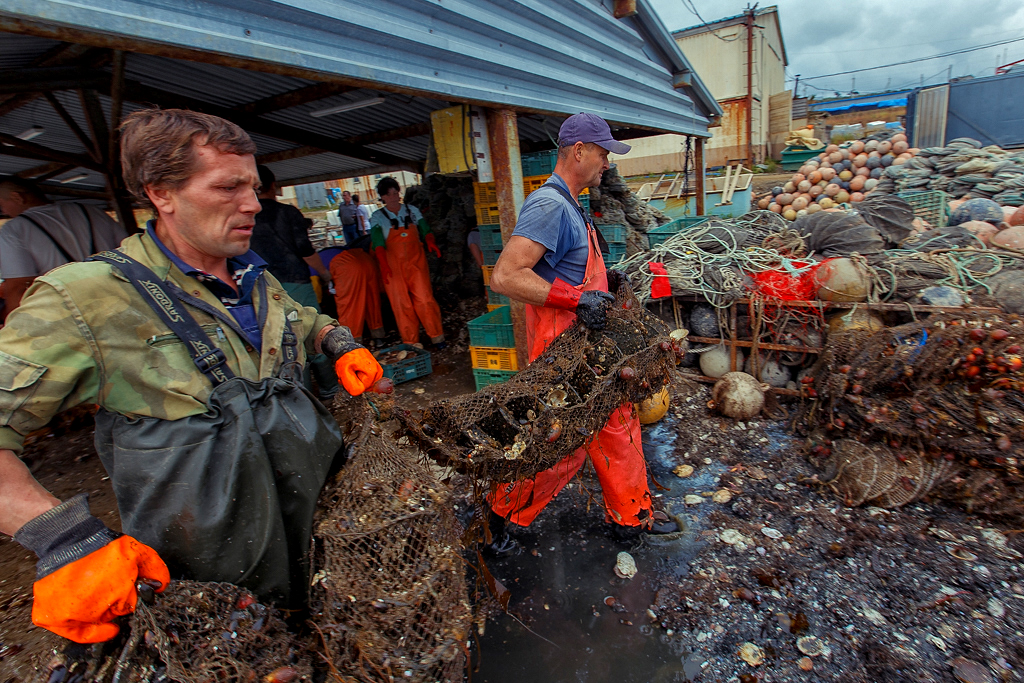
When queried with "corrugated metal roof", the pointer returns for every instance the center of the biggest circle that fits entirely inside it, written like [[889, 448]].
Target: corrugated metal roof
[[544, 58], [556, 56]]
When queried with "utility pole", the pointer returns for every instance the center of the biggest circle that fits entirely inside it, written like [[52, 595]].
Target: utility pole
[[750, 84], [949, 73], [796, 87]]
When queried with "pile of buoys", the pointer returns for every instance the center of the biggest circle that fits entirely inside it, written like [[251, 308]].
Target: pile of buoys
[[963, 169], [839, 175]]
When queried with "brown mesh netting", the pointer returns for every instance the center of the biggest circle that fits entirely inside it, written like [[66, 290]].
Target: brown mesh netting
[[193, 632], [511, 431], [389, 597], [939, 404]]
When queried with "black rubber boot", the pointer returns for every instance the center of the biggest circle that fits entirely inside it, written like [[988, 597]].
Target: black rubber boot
[[502, 544]]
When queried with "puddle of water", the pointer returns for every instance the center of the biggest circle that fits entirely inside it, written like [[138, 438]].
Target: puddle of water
[[560, 592]]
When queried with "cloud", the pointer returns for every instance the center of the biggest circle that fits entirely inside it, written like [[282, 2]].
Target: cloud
[[824, 39]]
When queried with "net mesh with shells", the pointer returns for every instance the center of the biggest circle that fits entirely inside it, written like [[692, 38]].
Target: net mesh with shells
[[389, 597], [938, 403], [511, 431], [192, 632]]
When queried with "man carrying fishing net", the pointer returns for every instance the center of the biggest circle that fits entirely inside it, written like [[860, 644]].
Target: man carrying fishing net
[[193, 353], [553, 264]]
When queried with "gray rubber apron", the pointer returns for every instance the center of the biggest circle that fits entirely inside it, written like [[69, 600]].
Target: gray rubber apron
[[227, 495]]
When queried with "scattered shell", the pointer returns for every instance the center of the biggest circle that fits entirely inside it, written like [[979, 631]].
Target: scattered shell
[[693, 500], [683, 471], [961, 553], [418, 390], [556, 398], [751, 654], [810, 646], [731, 536], [874, 616], [756, 473], [994, 538], [401, 355], [625, 566], [996, 608], [967, 671], [721, 496], [805, 663], [771, 533]]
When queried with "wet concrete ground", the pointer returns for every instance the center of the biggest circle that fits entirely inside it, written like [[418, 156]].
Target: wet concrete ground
[[561, 628]]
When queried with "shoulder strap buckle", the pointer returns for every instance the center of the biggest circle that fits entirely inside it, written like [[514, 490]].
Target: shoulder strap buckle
[[210, 361]]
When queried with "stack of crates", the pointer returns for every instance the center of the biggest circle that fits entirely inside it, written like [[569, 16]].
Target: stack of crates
[[487, 222], [492, 347], [661, 233], [615, 236], [928, 205]]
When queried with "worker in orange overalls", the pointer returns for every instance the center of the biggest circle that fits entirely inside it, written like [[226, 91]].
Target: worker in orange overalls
[[357, 291], [553, 264], [396, 231]]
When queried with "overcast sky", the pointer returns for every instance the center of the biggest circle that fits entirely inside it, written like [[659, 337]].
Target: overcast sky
[[826, 37]]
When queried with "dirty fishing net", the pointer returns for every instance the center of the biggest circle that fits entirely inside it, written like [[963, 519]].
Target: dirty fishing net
[[512, 431], [195, 632], [938, 403], [389, 596]]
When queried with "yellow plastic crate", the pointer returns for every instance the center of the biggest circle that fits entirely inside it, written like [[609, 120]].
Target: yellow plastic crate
[[492, 358], [487, 214], [488, 271], [484, 193]]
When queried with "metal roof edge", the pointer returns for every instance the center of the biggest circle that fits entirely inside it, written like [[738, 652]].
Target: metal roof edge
[[664, 41]]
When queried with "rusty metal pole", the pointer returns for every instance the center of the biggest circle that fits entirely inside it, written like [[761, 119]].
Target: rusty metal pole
[[698, 171], [507, 167], [750, 87]]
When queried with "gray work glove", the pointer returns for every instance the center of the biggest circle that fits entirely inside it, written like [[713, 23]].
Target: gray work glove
[[592, 308]]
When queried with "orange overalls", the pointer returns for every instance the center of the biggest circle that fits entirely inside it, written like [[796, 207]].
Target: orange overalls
[[356, 279], [616, 451], [408, 288]]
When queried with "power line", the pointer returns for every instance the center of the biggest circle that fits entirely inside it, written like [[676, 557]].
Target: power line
[[690, 6], [921, 59]]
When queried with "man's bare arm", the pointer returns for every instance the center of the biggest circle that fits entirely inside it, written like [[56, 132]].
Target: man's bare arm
[[513, 275], [21, 497]]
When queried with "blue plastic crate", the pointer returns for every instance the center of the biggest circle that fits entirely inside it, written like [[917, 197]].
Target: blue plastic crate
[[486, 377], [616, 252], [490, 236], [613, 233], [585, 202], [499, 299], [491, 255], [539, 163], [492, 329], [661, 233], [413, 366]]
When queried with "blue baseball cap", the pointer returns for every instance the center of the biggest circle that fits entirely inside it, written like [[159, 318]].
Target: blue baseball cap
[[589, 128]]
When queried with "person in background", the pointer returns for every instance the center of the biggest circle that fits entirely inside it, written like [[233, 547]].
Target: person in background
[[42, 236], [281, 238], [365, 214], [473, 241], [396, 231], [348, 214], [357, 291]]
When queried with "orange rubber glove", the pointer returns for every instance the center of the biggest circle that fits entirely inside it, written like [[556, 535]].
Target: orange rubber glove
[[432, 245], [382, 259], [358, 370], [81, 600]]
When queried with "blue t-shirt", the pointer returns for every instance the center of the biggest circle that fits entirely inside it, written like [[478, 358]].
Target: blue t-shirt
[[548, 218], [245, 271]]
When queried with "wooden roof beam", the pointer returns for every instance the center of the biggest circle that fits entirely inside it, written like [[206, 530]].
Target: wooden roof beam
[[401, 133], [293, 98]]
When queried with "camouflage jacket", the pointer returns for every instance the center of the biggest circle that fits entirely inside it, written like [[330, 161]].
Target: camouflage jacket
[[83, 334]]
